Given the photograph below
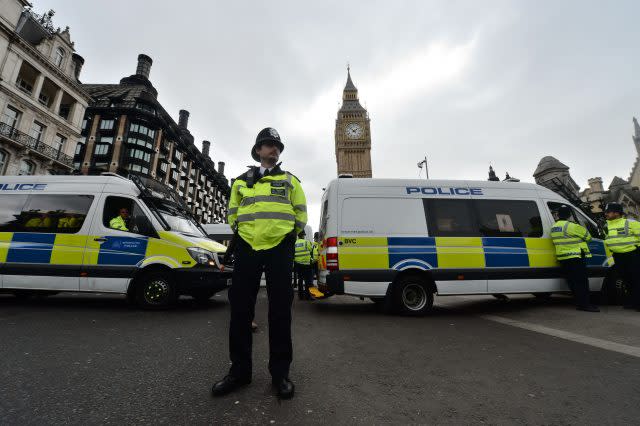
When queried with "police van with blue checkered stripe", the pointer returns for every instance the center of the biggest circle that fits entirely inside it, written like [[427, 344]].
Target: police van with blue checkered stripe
[[400, 242], [67, 233]]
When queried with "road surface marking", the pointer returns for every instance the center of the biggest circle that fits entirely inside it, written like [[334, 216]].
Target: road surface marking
[[579, 338]]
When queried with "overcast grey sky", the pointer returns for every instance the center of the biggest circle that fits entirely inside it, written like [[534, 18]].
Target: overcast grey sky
[[466, 83]]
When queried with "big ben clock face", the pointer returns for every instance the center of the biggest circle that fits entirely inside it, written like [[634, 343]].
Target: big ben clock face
[[353, 131]]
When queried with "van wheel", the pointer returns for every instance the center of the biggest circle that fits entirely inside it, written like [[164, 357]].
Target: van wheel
[[155, 291], [411, 296]]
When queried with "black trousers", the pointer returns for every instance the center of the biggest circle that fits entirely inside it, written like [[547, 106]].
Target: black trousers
[[575, 271], [628, 267], [305, 279], [249, 264]]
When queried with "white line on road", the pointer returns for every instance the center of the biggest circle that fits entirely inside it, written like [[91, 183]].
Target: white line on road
[[579, 338]]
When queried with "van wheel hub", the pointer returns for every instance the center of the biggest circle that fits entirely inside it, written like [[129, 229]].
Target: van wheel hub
[[156, 291], [414, 297]]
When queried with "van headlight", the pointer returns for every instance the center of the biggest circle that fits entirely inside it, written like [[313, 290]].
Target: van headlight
[[203, 257]]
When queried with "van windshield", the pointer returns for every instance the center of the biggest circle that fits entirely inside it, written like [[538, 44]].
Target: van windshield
[[182, 224]]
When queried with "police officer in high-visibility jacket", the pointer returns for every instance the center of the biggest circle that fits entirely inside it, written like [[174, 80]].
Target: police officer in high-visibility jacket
[[623, 239], [267, 209], [303, 266], [570, 240]]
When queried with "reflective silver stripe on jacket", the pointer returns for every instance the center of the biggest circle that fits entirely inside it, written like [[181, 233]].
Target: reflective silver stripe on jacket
[[300, 225], [232, 210], [264, 198], [248, 217], [300, 207]]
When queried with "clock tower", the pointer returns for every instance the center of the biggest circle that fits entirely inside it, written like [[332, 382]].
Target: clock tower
[[353, 134]]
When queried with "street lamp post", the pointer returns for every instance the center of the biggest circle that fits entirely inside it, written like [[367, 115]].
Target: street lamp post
[[426, 167]]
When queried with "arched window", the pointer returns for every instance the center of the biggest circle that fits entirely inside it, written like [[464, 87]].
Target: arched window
[[4, 159], [26, 168], [59, 57]]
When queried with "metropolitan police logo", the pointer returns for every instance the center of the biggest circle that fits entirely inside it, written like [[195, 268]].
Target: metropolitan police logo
[[273, 133]]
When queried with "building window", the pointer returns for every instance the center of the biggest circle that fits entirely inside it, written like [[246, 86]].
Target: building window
[[103, 145], [107, 124], [37, 130], [84, 123], [145, 107], [58, 142], [59, 57], [139, 154], [142, 129], [4, 157], [27, 168], [79, 146], [11, 117]]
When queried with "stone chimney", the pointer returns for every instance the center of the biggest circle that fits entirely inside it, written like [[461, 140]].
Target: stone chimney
[[144, 65], [221, 167], [596, 184], [183, 120], [205, 148], [78, 62]]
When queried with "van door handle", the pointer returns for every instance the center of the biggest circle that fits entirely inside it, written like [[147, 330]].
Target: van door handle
[[100, 239]]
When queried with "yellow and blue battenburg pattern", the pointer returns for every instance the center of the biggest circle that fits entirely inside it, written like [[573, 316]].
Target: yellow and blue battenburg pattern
[[454, 252], [78, 249]]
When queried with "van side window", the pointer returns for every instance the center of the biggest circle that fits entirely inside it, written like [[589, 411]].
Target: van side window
[[55, 214], [578, 218], [324, 216], [450, 218], [10, 212], [509, 218], [124, 214]]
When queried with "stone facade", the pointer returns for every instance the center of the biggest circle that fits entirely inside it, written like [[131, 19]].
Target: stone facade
[[126, 130], [353, 135], [41, 100], [621, 191]]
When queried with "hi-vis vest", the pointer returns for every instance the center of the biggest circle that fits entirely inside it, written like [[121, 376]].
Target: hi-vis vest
[[118, 223], [303, 251], [265, 212], [314, 251], [623, 235], [570, 240]]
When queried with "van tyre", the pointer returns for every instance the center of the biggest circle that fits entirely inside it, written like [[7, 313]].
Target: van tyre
[[155, 290], [411, 296]]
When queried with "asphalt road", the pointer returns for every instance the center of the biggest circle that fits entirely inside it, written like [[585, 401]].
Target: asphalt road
[[91, 359]]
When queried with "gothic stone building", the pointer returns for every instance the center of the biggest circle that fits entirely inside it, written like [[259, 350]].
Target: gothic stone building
[[41, 100], [126, 130], [625, 192], [353, 135]]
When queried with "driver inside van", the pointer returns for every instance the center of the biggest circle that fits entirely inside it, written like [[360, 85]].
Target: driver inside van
[[120, 222]]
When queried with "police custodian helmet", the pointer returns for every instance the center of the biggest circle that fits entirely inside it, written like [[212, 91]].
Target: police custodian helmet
[[268, 134], [564, 212], [614, 208]]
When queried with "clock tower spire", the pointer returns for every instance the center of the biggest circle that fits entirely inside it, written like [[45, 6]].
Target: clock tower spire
[[353, 134]]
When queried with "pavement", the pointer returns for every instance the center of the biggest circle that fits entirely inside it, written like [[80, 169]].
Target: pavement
[[92, 359]]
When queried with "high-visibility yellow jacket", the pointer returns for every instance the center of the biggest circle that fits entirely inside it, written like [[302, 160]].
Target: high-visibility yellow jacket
[[314, 251], [623, 235], [570, 240], [38, 222], [303, 251], [265, 213], [68, 222], [118, 223]]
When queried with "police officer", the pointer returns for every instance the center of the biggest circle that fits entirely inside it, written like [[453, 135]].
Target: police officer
[[315, 254], [120, 222], [267, 209], [302, 259], [623, 239], [570, 240]]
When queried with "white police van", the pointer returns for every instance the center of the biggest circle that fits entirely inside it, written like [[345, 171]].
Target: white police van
[[56, 234], [399, 241]]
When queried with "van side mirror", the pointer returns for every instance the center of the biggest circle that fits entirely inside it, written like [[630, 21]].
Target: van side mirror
[[141, 225]]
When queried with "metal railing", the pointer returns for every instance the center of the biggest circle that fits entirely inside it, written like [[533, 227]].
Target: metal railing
[[35, 145]]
